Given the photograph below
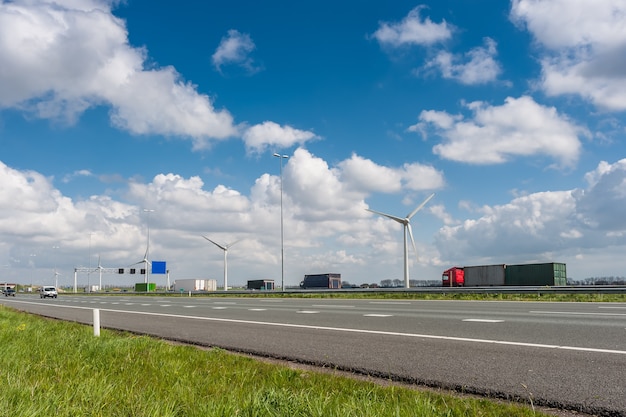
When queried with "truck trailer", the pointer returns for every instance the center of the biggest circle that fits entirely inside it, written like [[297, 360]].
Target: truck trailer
[[195, 285], [552, 273], [485, 275], [321, 281], [261, 284]]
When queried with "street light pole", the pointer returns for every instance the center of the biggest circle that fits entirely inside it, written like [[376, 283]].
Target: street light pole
[[89, 271], [56, 275], [282, 246], [32, 264], [145, 259]]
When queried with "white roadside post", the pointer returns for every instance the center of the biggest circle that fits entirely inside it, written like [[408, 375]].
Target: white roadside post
[[96, 322]]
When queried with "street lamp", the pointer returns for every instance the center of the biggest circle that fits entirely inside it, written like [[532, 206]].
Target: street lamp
[[145, 258], [282, 246], [56, 274], [89, 271], [32, 264]]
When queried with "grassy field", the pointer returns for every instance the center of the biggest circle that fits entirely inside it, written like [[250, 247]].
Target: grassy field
[[54, 368]]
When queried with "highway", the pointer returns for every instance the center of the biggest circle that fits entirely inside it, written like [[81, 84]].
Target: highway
[[562, 355]]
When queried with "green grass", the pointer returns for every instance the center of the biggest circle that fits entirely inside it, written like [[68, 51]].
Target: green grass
[[54, 368]]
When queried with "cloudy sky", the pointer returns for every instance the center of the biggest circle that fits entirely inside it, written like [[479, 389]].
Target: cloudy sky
[[511, 113]]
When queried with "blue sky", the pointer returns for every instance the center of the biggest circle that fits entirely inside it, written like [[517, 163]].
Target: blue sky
[[512, 113]]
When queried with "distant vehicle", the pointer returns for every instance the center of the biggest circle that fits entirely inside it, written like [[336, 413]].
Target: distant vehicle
[[261, 284], [9, 292], [551, 274], [321, 281], [45, 292]]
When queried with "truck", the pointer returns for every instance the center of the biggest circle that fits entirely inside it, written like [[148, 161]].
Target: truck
[[453, 277], [328, 280], [535, 274], [261, 284], [186, 285]]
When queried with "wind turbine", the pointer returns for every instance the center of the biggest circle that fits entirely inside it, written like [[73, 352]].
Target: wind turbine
[[144, 261], [56, 279], [406, 221], [225, 249], [100, 270]]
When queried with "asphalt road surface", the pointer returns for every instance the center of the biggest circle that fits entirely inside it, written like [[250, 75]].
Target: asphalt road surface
[[563, 355]]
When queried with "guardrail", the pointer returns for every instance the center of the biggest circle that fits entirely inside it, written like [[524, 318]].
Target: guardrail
[[583, 289], [580, 289]]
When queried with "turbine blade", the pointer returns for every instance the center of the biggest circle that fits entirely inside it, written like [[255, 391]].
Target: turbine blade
[[418, 208], [389, 216], [231, 244], [408, 226], [215, 243]]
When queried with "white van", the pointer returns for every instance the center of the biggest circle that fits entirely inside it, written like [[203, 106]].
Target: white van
[[48, 292]]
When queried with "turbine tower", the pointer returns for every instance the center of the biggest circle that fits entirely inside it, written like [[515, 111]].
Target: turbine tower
[[225, 249], [406, 221]]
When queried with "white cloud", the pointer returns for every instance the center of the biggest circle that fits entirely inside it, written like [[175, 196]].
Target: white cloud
[[77, 174], [326, 225], [544, 225], [418, 177], [365, 175], [412, 30], [601, 205], [520, 127], [478, 66], [318, 190], [324, 218], [267, 135], [439, 211], [235, 49], [583, 47], [59, 59]]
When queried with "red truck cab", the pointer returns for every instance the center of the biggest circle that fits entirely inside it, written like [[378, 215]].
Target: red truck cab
[[453, 277]]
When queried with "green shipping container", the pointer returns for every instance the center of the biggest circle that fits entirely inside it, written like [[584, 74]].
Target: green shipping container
[[141, 286], [552, 274]]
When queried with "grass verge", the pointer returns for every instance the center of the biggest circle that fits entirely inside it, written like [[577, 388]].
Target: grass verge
[[54, 368]]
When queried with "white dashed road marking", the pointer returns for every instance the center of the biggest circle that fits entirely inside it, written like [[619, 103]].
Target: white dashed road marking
[[484, 320]]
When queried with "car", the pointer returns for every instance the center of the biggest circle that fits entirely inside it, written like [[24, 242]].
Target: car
[[45, 292], [9, 292]]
